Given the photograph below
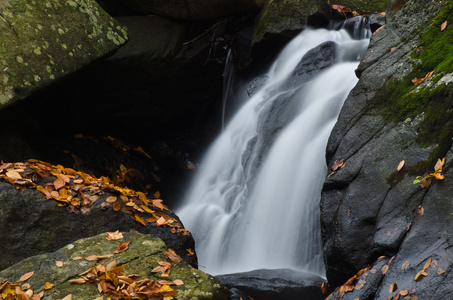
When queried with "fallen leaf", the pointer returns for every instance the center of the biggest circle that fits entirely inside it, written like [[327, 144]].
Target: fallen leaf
[[68, 297], [157, 195], [434, 263], [373, 271], [440, 271], [323, 288], [440, 163], [392, 287], [385, 268], [360, 284], [25, 286], [48, 285], [404, 292], [26, 276], [443, 26], [417, 81], [180, 282], [59, 263], [427, 264], [339, 8], [113, 236], [116, 206], [77, 258], [420, 275], [405, 265], [13, 175], [59, 183], [438, 176], [392, 49], [190, 252], [110, 199], [337, 164], [171, 255], [425, 182], [78, 281], [122, 247], [401, 165]]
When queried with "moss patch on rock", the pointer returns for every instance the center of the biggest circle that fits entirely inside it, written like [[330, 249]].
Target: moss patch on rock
[[41, 42], [401, 99]]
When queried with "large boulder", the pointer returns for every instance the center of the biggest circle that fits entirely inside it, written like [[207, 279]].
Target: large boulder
[[284, 19], [370, 208], [76, 207], [141, 256], [42, 43], [193, 9]]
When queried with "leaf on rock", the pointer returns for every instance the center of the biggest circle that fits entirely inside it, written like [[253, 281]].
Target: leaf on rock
[[13, 175], [26, 276], [78, 280], [434, 263], [59, 183], [405, 265], [417, 81], [438, 176], [164, 268], [440, 271], [110, 199], [122, 247], [420, 275], [157, 195], [113, 236], [440, 163], [392, 287], [77, 258], [178, 282], [360, 284], [171, 255], [68, 297], [443, 26], [385, 268], [337, 164], [427, 264], [401, 165], [190, 252], [425, 182], [116, 206], [48, 285], [59, 263], [339, 8], [404, 292]]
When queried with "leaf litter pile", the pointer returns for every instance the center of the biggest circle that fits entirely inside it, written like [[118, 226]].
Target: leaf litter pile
[[77, 191]]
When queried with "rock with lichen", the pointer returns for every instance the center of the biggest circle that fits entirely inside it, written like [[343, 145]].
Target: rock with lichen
[[57, 273], [43, 42]]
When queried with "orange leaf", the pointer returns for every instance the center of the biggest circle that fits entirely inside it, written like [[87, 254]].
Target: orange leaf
[[417, 81], [339, 8], [171, 255], [427, 264], [77, 258], [26, 276], [122, 247], [385, 268], [420, 275], [438, 176], [116, 206], [404, 292], [439, 165], [443, 26], [59, 183], [13, 175], [48, 285], [112, 236], [392, 288], [59, 263], [190, 252], [68, 297], [178, 282], [91, 257]]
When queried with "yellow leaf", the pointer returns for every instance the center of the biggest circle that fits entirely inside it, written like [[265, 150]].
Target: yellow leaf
[[420, 275], [190, 252], [26, 276], [401, 165], [9, 289], [48, 285], [392, 288], [123, 168]]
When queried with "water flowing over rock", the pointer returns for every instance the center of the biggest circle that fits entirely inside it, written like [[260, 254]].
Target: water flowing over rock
[[254, 202], [369, 208], [42, 43]]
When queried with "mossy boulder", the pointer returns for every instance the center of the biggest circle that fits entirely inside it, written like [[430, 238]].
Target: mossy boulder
[[373, 6], [193, 9], [289, 17], [141, 257], [43, 42]]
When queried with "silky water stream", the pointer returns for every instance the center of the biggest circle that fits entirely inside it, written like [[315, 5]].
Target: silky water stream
[[254, 202]]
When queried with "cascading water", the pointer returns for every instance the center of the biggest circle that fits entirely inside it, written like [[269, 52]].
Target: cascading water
[[255, 200]]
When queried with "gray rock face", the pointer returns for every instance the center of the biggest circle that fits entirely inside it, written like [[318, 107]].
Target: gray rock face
[[141, 257], [274, 284], [368, 208]]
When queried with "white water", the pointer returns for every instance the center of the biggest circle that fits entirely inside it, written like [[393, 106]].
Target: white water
[[249, 210]]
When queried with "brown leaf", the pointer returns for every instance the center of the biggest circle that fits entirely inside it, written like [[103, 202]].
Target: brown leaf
[[180, 282], [122, 247], [440, 163], [337, 164], [417, 81], [77, 258], [360, 284], [91, 258], [59, 263], [113, 236], [78, 280], [26, 276], [440, 271], [68, 297], [438, 176], [171, 255], [401, 165], [385, 268], [405, 265], [13, 175], [427, 264], [157, 195], [59, 183], [339, 8], [373, 271], [425, 182], [443, 26]]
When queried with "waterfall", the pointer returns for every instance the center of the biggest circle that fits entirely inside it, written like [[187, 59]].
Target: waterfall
[[255, 200]]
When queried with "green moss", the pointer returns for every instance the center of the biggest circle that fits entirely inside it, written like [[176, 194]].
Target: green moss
[[401, 99]]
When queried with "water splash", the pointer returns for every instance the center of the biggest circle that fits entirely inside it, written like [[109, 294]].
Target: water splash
[[255, 200]]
